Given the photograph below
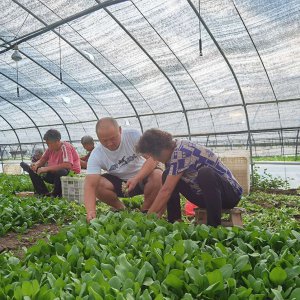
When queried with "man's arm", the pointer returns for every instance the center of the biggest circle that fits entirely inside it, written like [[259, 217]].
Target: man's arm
[[90, 185], [148, 166], [164, 194], [83, 164], [41, 162], [84, 160]]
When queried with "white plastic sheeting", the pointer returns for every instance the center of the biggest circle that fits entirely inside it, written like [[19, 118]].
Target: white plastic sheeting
[[139, 61]]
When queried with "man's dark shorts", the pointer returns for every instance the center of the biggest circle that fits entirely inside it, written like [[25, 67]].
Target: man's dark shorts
[[138, 190], [117, 183]]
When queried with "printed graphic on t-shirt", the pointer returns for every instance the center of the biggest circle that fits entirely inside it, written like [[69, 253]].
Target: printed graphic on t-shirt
[[122, 162]]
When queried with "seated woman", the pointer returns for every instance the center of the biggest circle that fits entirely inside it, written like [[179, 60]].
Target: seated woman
[[193, 171], [88, 144], [37, 155]]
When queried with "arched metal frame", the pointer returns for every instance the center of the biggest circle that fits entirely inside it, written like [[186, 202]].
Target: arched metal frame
[[48, 105], [31, 92], [51, 95], [178, 111], [112, 64], [234, 76], [178, 59], [14, 130], [63, 21], [64, 82], [256, 50], [38, 32], [84, 56], [53, 73], [244, 105], [156, 64], [25, 113], [60, 79], [265, 70]]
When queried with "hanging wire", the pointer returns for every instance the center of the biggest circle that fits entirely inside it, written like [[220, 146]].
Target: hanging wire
[[16, 35], [17, 57], [59, 44], [18, 91], [200, 37], [17, 65]]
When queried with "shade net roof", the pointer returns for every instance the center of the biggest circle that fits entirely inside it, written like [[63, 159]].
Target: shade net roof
[[139, 61]]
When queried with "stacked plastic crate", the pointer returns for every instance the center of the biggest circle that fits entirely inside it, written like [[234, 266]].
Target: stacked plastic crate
[[72, 188]]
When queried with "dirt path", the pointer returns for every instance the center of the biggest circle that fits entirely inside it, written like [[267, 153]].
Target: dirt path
[[15, 241]]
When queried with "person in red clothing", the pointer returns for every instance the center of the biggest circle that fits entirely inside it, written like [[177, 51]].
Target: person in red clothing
[[61, 158], [88, 144]]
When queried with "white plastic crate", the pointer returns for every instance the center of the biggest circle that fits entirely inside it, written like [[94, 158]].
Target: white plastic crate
[[12, 169], [72, 188], [239, 164]]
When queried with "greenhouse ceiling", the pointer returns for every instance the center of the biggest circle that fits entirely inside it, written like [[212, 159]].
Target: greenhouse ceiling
[[142, 62]]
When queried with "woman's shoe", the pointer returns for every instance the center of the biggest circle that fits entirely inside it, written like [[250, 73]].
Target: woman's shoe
[[25, 167]]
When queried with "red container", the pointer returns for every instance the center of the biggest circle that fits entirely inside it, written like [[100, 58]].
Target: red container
[[189, 208]]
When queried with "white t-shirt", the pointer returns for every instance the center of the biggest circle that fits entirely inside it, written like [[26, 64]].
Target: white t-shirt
[[123, 162]]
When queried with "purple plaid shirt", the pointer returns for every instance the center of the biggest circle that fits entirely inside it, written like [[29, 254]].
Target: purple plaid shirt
[[188, 157]]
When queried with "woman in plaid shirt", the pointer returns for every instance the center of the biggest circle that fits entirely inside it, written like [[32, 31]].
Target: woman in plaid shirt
[[193, 171]]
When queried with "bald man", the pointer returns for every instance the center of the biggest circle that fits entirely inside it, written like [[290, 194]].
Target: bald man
[[116, 155]]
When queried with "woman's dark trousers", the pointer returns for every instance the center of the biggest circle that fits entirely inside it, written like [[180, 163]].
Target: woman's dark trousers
[[216, 194], [38, 181]]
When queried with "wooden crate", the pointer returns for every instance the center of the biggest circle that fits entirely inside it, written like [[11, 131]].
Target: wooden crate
[[239, 165]]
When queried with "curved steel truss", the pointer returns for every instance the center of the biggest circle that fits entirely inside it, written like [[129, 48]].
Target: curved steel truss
[[139, 62]]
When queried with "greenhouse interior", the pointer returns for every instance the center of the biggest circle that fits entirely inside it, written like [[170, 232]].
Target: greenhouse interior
[[169, 142]]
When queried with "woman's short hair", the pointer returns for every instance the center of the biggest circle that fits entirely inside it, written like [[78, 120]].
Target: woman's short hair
[[87, 140], [52, 135], [38, 151], [153, 141]]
